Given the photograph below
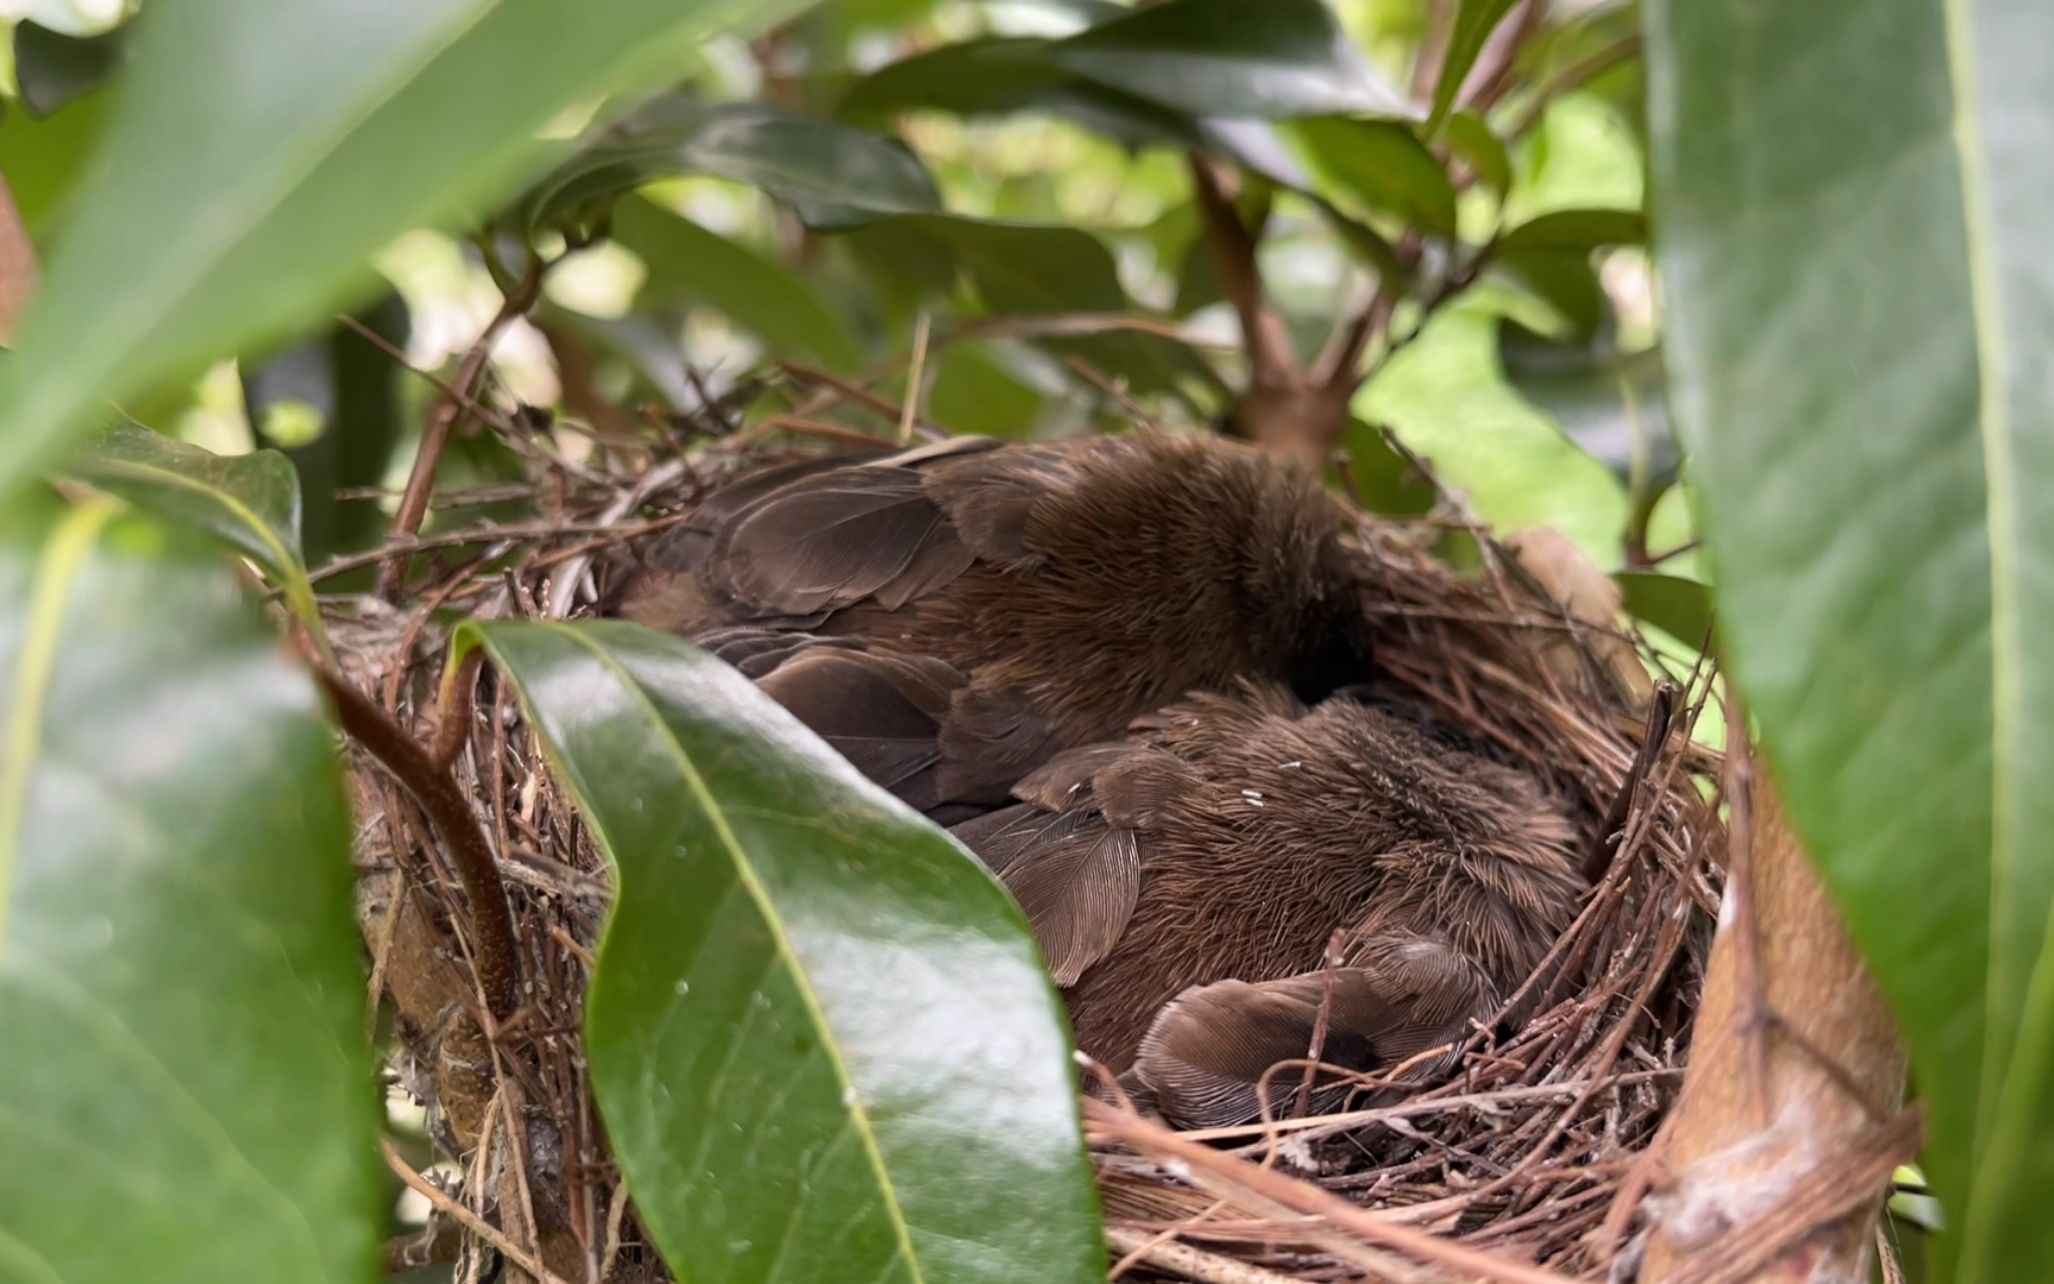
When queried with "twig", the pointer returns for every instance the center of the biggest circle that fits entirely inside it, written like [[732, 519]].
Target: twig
[[413, 502], [1275, 1188], [915, 374], [1168, 1254], [470, 852], [469, 1220], [1233, 251], [1573, 77], [1660, 714]]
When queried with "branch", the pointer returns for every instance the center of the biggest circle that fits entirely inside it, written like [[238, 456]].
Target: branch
[[17, 265], [413, 503], [463, 837], [1270, 362]]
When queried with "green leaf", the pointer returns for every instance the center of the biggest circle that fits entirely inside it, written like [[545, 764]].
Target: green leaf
[[1610, 403], [819, 1032], [1474, 22], [249, 502], [1012, 75], [1873, 457], [1577, 230], [1230, 58], [689, 264], [1022, 269], [1384, 481], [1566, 280], [1679, 607], [1380, 165], [833, 175], [215, 220], [187, 1097], [51, 68], [1475, 142], [974, 391], [44, 159]]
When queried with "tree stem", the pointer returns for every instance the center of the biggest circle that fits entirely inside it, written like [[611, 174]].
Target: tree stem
[[455, 823]]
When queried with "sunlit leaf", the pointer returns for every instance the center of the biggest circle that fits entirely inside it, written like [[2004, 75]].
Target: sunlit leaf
[[1479, 145], [187, 1096], [808, 998]]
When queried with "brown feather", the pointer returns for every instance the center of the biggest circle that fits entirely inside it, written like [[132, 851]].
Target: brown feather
[[1204, 1057], [1268, 825]]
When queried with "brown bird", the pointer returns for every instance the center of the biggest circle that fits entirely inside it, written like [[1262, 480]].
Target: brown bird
[[971, 624], [1184, 883], [952, 615]]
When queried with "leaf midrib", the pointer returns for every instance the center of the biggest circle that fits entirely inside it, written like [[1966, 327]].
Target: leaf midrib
[[780, 940], [56, 568]]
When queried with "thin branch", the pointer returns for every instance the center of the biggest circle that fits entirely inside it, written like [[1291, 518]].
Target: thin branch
[[1234, 257], [1571, 78], [17, 265], [909, 413], [1270, 1187], [463, 837], [470, 1221], [413, 502]]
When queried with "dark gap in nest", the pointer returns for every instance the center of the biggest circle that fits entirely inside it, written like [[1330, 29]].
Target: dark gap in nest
[[1523, 1148]]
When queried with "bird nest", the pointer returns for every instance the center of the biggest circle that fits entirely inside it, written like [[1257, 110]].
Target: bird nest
[[1524, 1159]]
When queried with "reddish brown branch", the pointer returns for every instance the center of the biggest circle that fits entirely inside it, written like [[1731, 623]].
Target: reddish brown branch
[[17, 265], [413, 502], [1233, 248], [463, 837]]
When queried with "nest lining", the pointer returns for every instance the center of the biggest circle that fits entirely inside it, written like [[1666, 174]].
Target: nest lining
[[1530, 1148]]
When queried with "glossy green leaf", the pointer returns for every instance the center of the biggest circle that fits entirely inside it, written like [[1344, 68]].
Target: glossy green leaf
[[819, 1032], [688, 264], [187, 1096], [1577, 230], [835, 176], [51, 69], [1680, 607], [1383, 480], [1479, 145], [1861, 329], [1231, 58], [1474, 22], [215, 220], [1611, 403], [1380, 165], [249, 502]]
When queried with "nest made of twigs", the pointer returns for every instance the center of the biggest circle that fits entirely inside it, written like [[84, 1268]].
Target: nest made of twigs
[[1529, 1150]]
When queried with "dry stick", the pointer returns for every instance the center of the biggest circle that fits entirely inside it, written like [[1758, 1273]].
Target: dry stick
[[469, 1220], [1169, 1255], [1660, 713], [917, 372], [463, 837], [1305, 1198], [413, 502]]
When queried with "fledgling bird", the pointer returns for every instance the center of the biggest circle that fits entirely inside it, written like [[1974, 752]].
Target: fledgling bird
[[1184, 883], [952, 615]]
